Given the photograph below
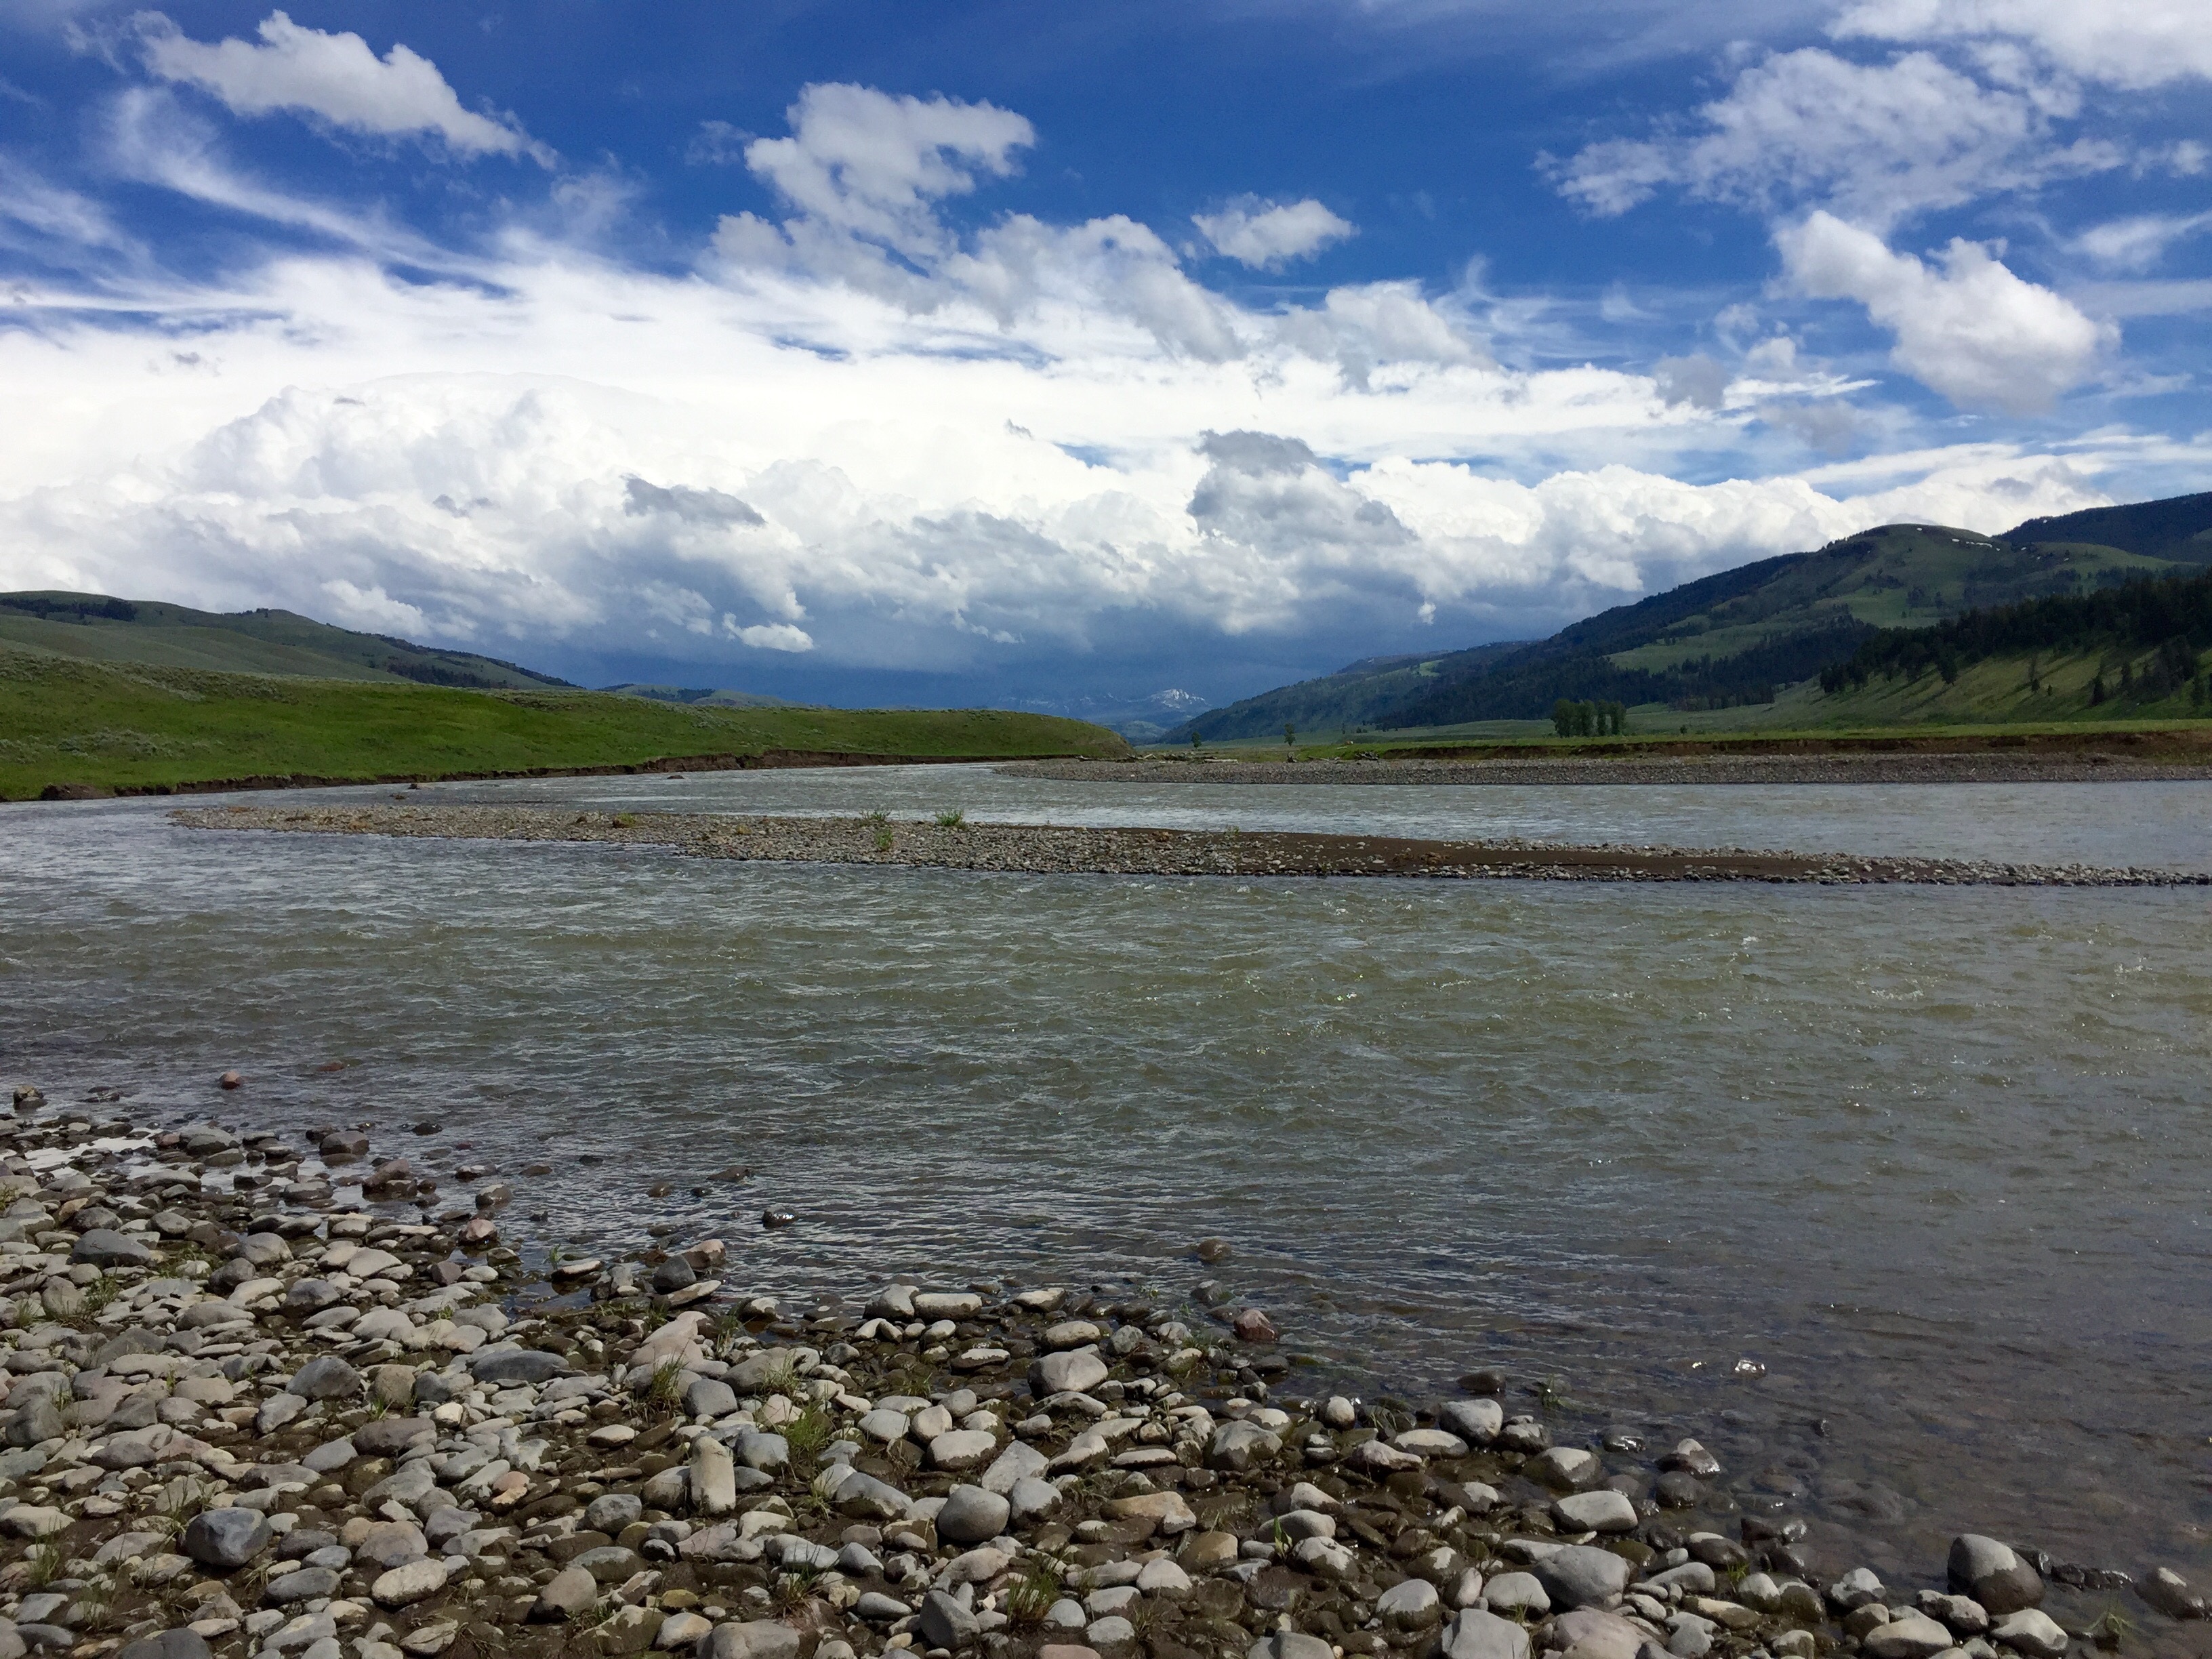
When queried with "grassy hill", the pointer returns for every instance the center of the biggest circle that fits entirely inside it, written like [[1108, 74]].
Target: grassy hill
[[1737, 640], [700, 696], [73, 726], [94, 627]]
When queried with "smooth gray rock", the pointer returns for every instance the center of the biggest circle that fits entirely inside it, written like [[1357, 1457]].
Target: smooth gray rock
[[389, 1544], [388, 1437], [1077, 1371], [309, 1296], [407, 1486], [946, 1623], [1597, 1634], [1964, 1615], [102, 1247], [1475, 1421], [1602, 1511], [178, 1644], [1913, 1637], [1677, 1490], [762, 1639], [2172, 1595], [331, 1455], [1691, 1577], [610, 1563], [712, 1476], [571, 1591], [279, 1410], [1566, 1469], [1410, 1604], [612, 1512], [876, 1608], [1474, 1634], [882, 1423], [1583, 1576], [1032, 1499], [36, 1423], [758, 1449], [710, 1397], [409, 1583], [865, 1496], [1993, 1575], [1856, 1588], [513, 1365], [973, 1515], [301, 1584], [962, 1449], [226, 1538], [673, 1274], [757, 1371], [682, 1630], [326, 1376], [1238, 1446], [2032, 1632], [1516, 1592], [1018, 1462]]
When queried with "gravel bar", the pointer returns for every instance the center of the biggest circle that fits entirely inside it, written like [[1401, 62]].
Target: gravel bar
[[1055, 849]]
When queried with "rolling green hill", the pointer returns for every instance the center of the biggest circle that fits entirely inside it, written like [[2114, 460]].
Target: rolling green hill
[[700, 696], [70, 727], [1739, 638], [93, 627]]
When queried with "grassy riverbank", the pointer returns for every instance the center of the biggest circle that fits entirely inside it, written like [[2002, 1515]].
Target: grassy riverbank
[[2153, 738], [86, 727]]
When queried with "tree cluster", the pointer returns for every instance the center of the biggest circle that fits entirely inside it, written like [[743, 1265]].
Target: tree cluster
[[1589, 719], [2171, 616]]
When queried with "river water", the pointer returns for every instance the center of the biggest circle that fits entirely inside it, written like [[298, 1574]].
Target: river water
[[1937, 1159]]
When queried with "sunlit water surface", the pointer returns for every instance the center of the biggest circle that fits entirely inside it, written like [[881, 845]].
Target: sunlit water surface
[[1937, 1158]]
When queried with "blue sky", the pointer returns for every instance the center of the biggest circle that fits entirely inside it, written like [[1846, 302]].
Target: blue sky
[[1025, 355]]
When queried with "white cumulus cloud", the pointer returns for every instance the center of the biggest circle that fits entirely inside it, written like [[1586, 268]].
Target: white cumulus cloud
[[1266, 235], [869, 434], [874, 166], [2130, 43], [1971, 331], [337, 78]]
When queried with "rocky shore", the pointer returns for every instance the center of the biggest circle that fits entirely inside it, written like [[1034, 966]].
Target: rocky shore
[[1963, 766], [275, 1400], [1061, 849]]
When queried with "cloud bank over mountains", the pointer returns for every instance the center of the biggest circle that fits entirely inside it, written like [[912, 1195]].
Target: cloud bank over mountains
[[871, 423]]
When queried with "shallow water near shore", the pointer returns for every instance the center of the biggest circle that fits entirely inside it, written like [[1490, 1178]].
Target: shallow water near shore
[[1935, 1158]]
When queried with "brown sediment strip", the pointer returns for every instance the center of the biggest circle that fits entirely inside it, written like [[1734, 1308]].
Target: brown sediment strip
[[1061, 849], [1653, 764]]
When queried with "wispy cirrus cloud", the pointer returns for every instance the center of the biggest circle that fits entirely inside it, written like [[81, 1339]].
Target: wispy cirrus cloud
[[1876, 143]]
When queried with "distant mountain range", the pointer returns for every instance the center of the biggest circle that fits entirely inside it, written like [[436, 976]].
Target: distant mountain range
[[1736, 637], [93, 627], [1139, 719]]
